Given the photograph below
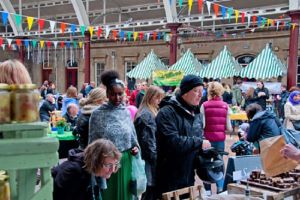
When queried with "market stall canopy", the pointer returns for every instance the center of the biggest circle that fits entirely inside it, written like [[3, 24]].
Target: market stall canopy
[[223, 66], [265, 65], [188, 64], [145, 68]]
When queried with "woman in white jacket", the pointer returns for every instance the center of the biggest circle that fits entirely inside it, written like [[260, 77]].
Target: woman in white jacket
[[292, 109]]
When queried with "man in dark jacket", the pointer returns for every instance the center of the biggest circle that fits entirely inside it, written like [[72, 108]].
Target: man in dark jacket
[[71, 115], [179, 137], [263, 124], [261, 94], [47, 107]]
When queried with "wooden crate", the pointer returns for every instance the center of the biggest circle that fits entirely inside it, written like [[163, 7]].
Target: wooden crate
[[25, 148], [234, 188], [194, 193]]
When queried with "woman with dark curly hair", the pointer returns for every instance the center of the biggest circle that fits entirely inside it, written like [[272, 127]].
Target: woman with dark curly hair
[[112, 121]]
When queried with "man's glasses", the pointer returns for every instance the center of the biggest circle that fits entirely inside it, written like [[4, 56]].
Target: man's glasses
[[115, 166]]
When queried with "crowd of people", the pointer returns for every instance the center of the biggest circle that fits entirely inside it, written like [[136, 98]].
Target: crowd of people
[[167, 131]]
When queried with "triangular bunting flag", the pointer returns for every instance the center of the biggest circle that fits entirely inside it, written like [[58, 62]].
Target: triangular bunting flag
[[63, 27], [1, 41], [190, 4], [4, 18], [18, 42], [154, 35], [236, 16], [48, 44], [277, 25], [141, 36], [249, 19], [91, 30], [148, 36], [129, 33], [243, 17], [3, 46], [200, 5], [122, 35], [73, 28], [30, 22], [26, 43], [55, 44], [114, 33], [42, 43], [80, 45], [74, 44], [68, 44], [258, 21], [293, 26], [18, 19], [208, 4], [254, 19], [135, 35], [82, 29], [9, 41], [34, 43], [158, 36], [216, 9], [107, 31], [41, 24], [52, 26], [180, 3], [269, 22], [230, 11], [99, 32], [223, 12], [62, 44]]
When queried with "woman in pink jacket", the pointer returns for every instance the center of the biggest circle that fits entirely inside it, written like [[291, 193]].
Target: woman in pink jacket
[[216, 122]]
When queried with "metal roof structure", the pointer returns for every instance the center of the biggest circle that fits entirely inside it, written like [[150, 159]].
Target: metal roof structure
[[132, 15]]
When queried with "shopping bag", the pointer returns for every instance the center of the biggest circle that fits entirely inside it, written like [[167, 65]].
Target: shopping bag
[[291, 136], [138, 181], [273, 163]]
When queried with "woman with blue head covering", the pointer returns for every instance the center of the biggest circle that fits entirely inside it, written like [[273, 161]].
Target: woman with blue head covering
[[292, 109]]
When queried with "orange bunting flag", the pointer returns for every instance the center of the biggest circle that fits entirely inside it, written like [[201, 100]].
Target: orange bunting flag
[[236, 16], [200, 5], [62, 44], [154, 35], [91, 30], [216, 9], [135, 35], [42, 42], [243, 17], [293, 26], [63, 27], [273, 22], [41, 24], [18, 42], [190, 4], [254, 19], [115, 32], [29, 22], [99, 32]]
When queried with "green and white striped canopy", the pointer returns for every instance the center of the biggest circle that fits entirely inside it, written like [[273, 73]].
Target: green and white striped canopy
[[223, 66], [188, 64], [145, 68], [265, 65]]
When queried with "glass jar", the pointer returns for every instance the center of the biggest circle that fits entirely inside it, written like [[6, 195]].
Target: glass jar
[[4, 103], [25, 103]]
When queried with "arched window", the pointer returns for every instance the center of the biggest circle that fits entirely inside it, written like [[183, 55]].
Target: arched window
[[245, 59]]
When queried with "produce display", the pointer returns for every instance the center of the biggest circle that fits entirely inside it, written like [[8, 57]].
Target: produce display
[[285, 181]]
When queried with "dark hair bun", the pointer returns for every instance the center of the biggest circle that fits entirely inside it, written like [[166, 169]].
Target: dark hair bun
[[108, 76]]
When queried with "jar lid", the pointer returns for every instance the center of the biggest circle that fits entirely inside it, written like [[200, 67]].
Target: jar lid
[[23, 87], [4, 86]]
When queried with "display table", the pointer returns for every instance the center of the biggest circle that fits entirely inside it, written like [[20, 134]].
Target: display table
[[66, 142], [239, 116]]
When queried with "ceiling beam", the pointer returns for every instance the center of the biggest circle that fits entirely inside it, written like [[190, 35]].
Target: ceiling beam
[[171, 12], [81, 13], [7, 6]]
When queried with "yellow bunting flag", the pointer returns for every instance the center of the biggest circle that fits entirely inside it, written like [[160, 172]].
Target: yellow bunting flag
[[190, 3], [269, 22], [91, 29], [80, 44], [42, 43], [236, 15], [293, 26], [29, 22], [135, 35]]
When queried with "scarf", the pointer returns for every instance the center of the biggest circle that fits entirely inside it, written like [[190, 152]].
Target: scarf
[[291, 98]]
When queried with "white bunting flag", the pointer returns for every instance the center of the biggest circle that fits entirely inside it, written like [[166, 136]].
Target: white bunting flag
[[55, 44], [148, 36], [249, 19], [52, 26], [277, 25], [107, 31], [9, 41], [3, 46], [208, 4]]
